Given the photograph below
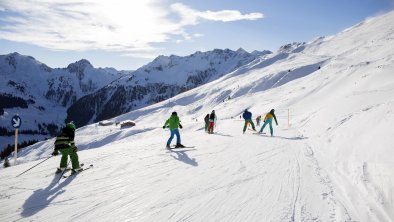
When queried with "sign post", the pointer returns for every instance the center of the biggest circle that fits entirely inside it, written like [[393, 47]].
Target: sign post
[[16, 122]]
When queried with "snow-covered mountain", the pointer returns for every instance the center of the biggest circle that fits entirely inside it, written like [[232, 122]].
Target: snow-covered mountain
[[85, 94], [41, 95], [330, 158], [163, 78]]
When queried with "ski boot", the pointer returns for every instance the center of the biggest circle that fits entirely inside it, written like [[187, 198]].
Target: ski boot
[[178, 145], [77, 170], [60, 169]]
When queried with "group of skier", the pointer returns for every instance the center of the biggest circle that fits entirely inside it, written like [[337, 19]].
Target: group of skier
[[210, 121], [65, 144], [173, 123], [267, 120]]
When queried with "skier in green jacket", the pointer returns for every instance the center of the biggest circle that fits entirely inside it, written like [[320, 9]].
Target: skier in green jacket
[[173, 123], [66, 145]]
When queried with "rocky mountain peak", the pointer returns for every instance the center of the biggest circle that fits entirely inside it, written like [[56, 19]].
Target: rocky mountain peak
[[79, 67], [261, 53], [290, 47], [241, 51]]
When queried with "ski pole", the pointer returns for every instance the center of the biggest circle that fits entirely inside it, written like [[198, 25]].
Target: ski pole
[[34, 166], [64, 170]]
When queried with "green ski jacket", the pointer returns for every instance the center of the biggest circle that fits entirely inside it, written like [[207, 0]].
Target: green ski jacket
[[173, 122]]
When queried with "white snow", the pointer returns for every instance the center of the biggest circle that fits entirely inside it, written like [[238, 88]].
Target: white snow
[[334, 162]]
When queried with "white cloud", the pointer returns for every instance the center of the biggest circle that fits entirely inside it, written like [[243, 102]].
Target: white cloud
[[191, 17], [189, 37], [131, 27], [229, 15]]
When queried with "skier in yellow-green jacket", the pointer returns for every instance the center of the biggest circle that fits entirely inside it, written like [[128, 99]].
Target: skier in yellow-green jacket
[[268, 120], [173, 123], [66, 145]]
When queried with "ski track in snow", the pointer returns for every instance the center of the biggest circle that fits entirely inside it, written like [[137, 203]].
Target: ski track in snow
[[242, 177]]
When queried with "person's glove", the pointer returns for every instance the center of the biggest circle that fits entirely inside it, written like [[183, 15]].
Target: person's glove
[[164, 127], [180, 126], [55, 153]]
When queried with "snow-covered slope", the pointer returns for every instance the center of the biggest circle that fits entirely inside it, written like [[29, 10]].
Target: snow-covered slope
[[330, 161]]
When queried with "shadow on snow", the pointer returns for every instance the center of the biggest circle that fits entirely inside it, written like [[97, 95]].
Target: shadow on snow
[[181, 155], [221, 134], [286, 138], [42, 198]]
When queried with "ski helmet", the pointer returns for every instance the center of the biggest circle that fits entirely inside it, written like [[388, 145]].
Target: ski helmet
[[71, 125]]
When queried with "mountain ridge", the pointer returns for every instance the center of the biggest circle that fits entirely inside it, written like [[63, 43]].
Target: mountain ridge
[[50, 96]]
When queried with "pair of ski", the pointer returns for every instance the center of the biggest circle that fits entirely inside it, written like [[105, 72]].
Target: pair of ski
[[264, 134], [176, 148], [75, 172]]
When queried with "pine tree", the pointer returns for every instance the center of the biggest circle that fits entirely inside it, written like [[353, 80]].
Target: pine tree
[[6, 163]]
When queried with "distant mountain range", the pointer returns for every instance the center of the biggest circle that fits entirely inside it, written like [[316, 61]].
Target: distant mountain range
[[46, 97]]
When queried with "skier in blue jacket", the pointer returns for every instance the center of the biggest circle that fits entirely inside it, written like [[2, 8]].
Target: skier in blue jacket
[[248, 120]]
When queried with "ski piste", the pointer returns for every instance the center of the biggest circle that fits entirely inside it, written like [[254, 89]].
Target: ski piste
[[83, 169]]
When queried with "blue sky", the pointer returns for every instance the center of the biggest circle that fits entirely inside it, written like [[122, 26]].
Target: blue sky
[[128, 34]]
